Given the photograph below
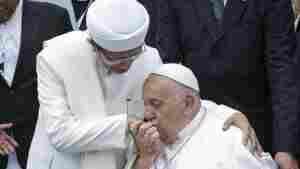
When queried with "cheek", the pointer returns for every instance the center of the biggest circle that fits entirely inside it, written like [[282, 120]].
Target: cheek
[[5, 13], [165, 122]]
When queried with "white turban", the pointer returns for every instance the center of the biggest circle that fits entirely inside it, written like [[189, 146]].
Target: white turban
[[178, 73], [117, 25]]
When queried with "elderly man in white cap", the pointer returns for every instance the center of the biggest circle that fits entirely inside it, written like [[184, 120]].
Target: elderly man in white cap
[[84, 80], [188, 127]]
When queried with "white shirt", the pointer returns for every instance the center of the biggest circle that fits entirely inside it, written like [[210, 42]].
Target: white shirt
[[203, 144], [296, 23], [10, 40], [225, 2]]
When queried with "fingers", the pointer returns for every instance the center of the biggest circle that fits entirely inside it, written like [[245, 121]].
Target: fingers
[[148, 141], [144, 127], [134, 125], [151, 135], [6, 148], [229, 122], [2, 152], [7, 144], [5, 126], [246, 136], [4, 136], [11, 140], [258, 148]]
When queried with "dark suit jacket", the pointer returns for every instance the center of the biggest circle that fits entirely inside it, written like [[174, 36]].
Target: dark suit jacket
[[245, 62], [159, 35], [19, 103]]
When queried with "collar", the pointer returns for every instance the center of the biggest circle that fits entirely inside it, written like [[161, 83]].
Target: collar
[[185, 134]]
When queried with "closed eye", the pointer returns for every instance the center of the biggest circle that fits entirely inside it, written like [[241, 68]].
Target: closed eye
[[155, 103]]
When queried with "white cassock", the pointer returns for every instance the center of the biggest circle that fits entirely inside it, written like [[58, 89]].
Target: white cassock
[[203, 145], [82, 116]]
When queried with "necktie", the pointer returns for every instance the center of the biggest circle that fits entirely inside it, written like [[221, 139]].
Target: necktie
[[3, 162], [218, 6]]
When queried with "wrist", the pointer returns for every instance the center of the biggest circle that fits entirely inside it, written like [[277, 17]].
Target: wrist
[[280, 155], [144, 162]]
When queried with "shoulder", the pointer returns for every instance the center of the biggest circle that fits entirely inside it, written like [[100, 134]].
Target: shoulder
[[45, 8], [64, 46], [150, 57], [212, 128], [69, 38]]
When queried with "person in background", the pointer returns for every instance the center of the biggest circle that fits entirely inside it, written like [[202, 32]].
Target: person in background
[[242, 53], [24, 25]]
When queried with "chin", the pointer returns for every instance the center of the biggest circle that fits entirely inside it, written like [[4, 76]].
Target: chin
[[167, 140], [120, 70]]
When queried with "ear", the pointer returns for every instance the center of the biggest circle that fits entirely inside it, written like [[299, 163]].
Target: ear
[[190, 102]]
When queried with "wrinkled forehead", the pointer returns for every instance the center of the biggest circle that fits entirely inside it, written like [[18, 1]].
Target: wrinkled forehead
[[159, 86]]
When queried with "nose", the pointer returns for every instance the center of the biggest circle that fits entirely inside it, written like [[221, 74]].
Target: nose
[[149, 114]]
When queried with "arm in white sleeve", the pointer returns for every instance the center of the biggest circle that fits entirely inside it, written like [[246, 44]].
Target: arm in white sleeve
[[222, 111], [243, 158], [66, 131]]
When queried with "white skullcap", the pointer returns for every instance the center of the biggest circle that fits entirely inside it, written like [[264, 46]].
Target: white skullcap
[[178, 73], [117, 25]]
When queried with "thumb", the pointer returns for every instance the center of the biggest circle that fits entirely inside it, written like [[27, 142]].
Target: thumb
[[229, 122], [5, 126]]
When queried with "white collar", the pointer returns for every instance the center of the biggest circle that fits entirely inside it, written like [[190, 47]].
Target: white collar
[[185, 134]]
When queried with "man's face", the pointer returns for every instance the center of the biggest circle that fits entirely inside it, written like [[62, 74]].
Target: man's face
[[297, 7], [7, 9], [163, 107], [120, 62]]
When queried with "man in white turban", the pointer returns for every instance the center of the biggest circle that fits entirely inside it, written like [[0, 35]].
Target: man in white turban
[[84, 80], [183, 132]]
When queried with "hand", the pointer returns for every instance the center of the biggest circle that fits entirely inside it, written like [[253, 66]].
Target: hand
[[135, 125], [147, 141], [249, 136], [286, 161], [7, 144]]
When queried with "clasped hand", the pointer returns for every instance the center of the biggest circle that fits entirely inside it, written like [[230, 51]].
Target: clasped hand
[[7, 143], [147, 140]]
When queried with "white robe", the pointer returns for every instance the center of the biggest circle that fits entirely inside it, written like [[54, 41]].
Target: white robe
[[82, 115], [203, 145]]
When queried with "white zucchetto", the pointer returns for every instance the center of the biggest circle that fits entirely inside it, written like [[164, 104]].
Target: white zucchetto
[[178, 73], [117, 25]]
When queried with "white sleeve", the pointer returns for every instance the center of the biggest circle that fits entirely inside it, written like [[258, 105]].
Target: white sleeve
[[221, 111], [66, 131], [242, 158]]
